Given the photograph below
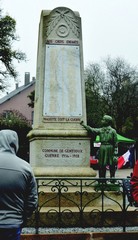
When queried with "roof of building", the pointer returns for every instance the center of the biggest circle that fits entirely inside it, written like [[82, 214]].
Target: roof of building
[[16, 91]]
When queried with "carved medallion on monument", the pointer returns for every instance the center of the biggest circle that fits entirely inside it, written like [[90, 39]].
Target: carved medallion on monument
[[62, 21]]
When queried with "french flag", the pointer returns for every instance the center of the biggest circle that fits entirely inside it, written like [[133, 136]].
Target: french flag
[[123, 159]]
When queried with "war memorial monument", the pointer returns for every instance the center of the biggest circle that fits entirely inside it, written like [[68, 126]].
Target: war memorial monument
[[59, 145]]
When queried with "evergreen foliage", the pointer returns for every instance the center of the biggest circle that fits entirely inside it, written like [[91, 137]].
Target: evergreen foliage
[[14, 120]]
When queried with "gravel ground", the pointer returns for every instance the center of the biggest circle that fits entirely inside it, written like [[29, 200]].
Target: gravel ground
[[76, 230]]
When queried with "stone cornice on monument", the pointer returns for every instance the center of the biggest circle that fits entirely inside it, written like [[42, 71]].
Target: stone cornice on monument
[[54, 133]]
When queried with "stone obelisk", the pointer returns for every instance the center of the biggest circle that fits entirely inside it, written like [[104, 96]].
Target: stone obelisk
[[59, 146]]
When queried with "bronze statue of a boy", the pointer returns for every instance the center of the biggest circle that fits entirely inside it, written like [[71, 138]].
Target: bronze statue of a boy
[[108, 150]]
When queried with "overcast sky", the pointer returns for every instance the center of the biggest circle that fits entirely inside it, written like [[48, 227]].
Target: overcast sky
[[109, 27]]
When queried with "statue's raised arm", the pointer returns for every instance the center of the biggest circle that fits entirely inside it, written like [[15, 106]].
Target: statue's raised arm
[[90, 129]]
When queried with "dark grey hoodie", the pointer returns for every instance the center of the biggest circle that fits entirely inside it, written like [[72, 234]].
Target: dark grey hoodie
[[18, 191]]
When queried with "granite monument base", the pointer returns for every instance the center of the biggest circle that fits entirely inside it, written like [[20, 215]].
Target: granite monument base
[[61, 154]]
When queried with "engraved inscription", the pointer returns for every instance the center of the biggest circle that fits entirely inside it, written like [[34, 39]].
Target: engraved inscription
[[62, 119], [62, 86], [62, 153], [57, 41]]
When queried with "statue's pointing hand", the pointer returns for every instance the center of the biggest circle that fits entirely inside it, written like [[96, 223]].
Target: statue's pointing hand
[[81, 123]]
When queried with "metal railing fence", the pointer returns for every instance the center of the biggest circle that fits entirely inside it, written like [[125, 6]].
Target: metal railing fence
[[82, 202]]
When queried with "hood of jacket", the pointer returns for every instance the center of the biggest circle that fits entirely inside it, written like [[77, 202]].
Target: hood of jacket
[[8, 141]]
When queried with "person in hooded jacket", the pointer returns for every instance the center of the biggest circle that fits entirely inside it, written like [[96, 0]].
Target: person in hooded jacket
[[18, 190]]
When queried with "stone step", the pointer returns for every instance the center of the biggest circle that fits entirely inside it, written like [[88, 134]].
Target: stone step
[[88, 199], [77, 209]]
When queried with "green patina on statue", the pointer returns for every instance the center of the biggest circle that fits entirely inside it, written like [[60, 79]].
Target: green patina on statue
[[108, 150]]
